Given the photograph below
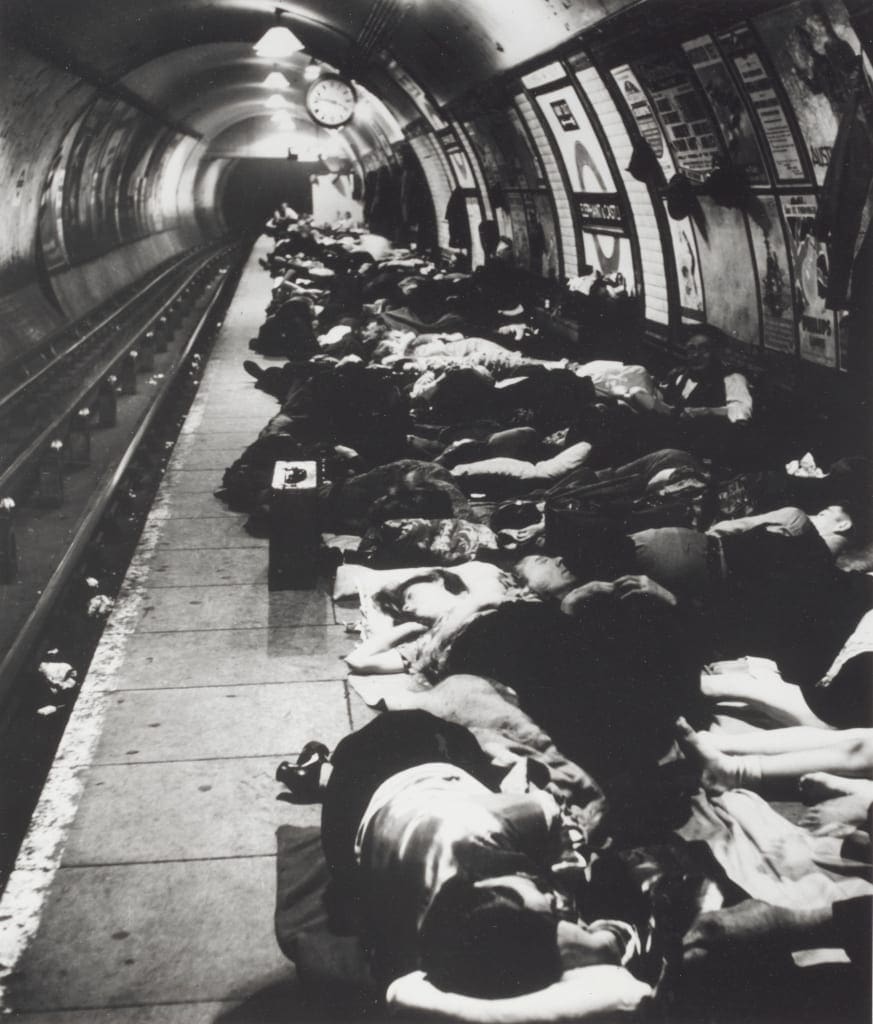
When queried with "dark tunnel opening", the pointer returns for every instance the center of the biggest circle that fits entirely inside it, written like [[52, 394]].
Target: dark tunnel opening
[[255, 187]]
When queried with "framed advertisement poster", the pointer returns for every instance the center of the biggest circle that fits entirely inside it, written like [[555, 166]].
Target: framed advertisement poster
[[775, 287], [817, 325], [638, 103], [692, 135], [814, 49], [457, 158], [728, 106], [732, 300], [739, 46]]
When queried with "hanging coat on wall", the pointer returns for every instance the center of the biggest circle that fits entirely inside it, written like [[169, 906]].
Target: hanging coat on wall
[[459, 222]]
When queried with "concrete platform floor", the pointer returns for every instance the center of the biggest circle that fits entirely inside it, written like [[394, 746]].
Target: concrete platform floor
[[145, 888]]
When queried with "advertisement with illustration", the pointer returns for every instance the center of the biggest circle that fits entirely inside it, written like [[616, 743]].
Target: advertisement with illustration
[[739, 46], [691, 298], [577, 143], [817, 326], [728, 106], [814, 49], [778, 320]]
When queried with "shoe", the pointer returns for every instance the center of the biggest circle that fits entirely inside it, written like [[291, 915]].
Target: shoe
[[302, 779]]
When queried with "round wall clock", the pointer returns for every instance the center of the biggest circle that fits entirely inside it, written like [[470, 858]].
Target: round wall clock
[[330, 101]]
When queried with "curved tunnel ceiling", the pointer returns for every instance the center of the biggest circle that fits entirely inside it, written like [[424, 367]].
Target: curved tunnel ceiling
[[193, 60]]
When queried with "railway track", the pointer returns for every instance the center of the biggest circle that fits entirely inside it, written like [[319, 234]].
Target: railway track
[[101, 414]]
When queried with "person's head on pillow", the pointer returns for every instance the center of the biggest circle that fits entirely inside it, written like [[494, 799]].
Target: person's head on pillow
[[423, 597], [492, 938]]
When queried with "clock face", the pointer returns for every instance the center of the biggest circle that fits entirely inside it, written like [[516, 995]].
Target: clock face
[[331, 101]]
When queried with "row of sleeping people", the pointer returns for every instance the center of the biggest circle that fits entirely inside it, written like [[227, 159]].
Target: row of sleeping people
[[558, 533]]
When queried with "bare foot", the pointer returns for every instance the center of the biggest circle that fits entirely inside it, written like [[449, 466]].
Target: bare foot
[[818, 786], [850, 809], [718, 771]]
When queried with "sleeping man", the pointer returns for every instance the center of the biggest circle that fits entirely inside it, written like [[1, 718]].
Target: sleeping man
[[452, 880]]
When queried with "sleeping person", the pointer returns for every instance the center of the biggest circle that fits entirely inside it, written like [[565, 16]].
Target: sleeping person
[[607, 686], [452, 876]]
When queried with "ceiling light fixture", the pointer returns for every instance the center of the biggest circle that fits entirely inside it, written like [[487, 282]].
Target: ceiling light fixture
[[276, 102], [311, 71], [278, 41], [276, 80]]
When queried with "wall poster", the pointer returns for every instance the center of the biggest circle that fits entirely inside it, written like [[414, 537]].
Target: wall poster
[[544, 218], [725, 260], [685, 255], [683, 116], [691, 298], [639, 106], [451, 145], [418, 95], [778, 319], [813, 47], [738, 45], [520, 240], [728, 106], [817, 326]]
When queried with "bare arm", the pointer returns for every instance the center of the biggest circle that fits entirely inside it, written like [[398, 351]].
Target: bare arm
[[737, 408], [377, 656]]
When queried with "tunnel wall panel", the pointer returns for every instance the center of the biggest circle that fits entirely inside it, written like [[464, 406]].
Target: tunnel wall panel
[[100, 193]]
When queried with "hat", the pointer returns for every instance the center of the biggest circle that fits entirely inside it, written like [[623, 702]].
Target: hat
[[727, 186], [680, 197], [644, 164]]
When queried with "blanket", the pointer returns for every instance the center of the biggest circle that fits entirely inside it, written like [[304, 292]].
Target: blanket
[[768, 856], [503, 730]]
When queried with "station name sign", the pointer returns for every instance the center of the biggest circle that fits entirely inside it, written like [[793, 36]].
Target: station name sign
[[599, 210]]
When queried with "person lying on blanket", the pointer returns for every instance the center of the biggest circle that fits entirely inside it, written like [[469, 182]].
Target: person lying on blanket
[[607, 686], [766, 585], [452, 877]]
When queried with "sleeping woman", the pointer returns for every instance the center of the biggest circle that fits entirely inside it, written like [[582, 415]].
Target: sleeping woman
[[607, 686]]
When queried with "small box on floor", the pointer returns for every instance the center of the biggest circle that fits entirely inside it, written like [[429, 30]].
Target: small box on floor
[[294, 533]]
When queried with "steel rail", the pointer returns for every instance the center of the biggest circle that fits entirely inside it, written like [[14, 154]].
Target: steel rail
[[110, 317], [99, 502], [7, 476]]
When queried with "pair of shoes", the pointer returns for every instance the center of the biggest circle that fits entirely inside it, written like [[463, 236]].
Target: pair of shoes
[[302, 779]]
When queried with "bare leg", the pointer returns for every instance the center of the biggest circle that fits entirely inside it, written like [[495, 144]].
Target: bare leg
[[774, 741], [782, 702], [847, 752]]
